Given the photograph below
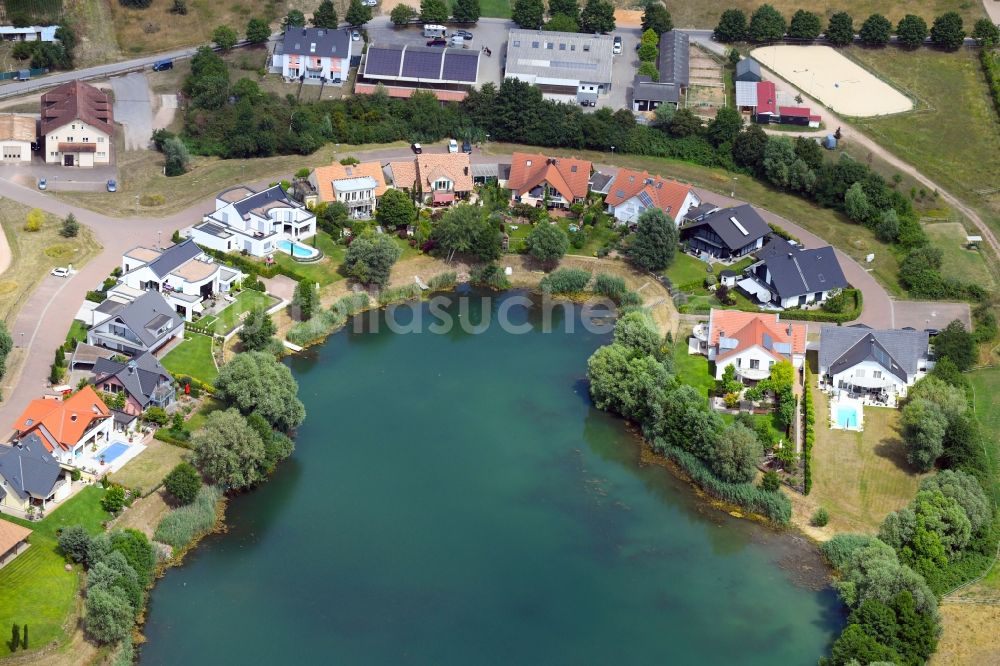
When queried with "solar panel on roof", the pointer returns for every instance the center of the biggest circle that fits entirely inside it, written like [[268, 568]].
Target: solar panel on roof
[[460, 66], [423, 64], [645, 199], [383, 62]]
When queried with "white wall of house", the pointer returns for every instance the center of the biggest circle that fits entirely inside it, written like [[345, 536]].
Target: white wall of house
[[111, 334], [15, 151], [628, 212], [99, 436], [872, 375], [293, 66], [796, 301], [753, 363], [284, 222], [78, 132]]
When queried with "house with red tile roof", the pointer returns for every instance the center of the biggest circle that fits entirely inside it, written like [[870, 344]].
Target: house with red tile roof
[[67, 427], [357, 186], [632, 192], [77, 125], [752, 342], [555, 182], [443, 176]]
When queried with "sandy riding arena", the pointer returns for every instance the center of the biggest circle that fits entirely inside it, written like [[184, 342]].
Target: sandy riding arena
[[821, 72]]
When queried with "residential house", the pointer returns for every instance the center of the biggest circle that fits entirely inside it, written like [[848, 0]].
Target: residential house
[[28, 33], [554, 182], [133, 327], [17, 134], [879, 364], [257, 223], [752, 343], [357, 186], [182, 273], [143, 381], [13, 541], [789, 276], [66, 427], [632, 192], [30, 476], [726, 233], [748, 69], [445, 177], [314, 55], [567, 66], [77, 125]]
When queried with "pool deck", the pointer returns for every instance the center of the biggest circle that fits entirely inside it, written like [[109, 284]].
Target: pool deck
[[91, 461]]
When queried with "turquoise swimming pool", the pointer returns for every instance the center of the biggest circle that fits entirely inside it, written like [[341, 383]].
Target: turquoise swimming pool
[[297, 251], [113, 451], [847, 416]]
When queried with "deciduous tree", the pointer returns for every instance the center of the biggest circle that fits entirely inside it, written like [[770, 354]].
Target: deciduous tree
[[956, 344], [656, 17], [257, 331], [257, 382], [359, 14], [736, 454], [258, 31], [108, 615], [294, 19], [804, 25], [767, 24], [598, 16], [402, 14], [467, 11], [547, 243], [434, 11], [732, 26], [948, 31], [370, 258], [924, 426], [325, 15], [528, 14], [725, 126], [840, 29], [654, 243], [395, 209], [228, 451], [183, 482], [875, 31], [224, 37], [911, 31]]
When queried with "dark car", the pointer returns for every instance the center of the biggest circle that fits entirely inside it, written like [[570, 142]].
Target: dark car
[[162, 65], [417, 148], [464, 34], [466, 147], [437, 42]]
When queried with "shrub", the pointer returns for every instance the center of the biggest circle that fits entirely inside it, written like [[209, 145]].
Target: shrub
[[770, 482], [74, 541], [113, 500], [183, 482], [610, 286], [489, 275], [34, 219], [155, 415], [399, 294], [182, 525], [565, 281], [839, 549], [820, 518], [442, 281]]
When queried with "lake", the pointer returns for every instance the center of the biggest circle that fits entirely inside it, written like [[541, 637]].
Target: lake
[[455, 499]]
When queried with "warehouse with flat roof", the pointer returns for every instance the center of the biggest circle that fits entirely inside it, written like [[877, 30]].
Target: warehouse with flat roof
[[567, 66]]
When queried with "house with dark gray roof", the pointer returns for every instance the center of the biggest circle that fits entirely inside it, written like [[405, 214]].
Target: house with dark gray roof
[[143, 381], [144, 325], [726, 233], [30, 475], [649, 95], [314, 55], [789, 276], [878, 364], [748, 69]]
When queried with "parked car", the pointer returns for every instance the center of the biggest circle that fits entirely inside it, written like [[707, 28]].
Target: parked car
[[355, 36], [161, 65], [437, 41], [452, 146], [417, 148], [112, 185], [370, 3], [466, 147], [464, 34], [42, 183], [60, 271], [617, 48]]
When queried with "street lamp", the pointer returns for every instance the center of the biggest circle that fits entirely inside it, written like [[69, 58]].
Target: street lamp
[[733, 193], [159, 239], [612, 151]]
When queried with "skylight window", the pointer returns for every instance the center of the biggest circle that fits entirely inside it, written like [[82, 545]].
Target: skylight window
[[736, 223]]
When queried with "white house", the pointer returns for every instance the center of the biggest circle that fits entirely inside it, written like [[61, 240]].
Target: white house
[[29, 33], [751, 342], [317, 54], [183, 274], [67, 427], [633, 192], [145, 324], [17, 133], [77, 125], [790, 276], [357, 186], [258, 223], [880, 364]]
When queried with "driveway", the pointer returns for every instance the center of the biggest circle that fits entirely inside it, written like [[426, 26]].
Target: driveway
[[622, 71], [134, 109]]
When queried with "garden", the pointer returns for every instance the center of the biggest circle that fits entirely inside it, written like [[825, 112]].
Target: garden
[[192, 358]]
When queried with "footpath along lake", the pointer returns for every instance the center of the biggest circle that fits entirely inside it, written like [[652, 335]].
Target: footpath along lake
[[455, 499]]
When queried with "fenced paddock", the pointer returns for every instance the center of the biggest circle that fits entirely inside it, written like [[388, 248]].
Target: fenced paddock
[[833, 79]]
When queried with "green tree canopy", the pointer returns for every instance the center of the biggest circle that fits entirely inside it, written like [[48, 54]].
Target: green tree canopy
[[183, 482], [749, 147], [804, 25], [258, 330], [528, 14], [875, 31], [359, 14], [108, 615], [626, 383], [464, 229], [766, 24], [547, 243], [434, 11], [636, 331], [948, 31], [224, 37], [736, 454], [732, 26], [570, 8], [258, 31], [956, 344], [725, 126], [402, 14], [656, 17], [924, 426], [326, 15], [654, 243], [228, 451], [911, 31], [840, 29], [598, 16], [986, 32], [966, 491], [467, 11], [294, 19], [370, 259], [257, 382], [395, 209], [306, 299]]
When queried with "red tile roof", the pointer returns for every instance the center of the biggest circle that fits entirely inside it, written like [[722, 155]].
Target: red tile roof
[[749, 328], [798, 111], [666, 194], [568, 176], [65, 420], [76, 100], [767, 97]]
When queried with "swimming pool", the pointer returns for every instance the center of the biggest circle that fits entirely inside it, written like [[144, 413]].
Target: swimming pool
[[297, 251], [113, 451], [847, 416]]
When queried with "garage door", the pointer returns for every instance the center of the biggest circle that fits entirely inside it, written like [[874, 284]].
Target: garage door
[[12, 152]]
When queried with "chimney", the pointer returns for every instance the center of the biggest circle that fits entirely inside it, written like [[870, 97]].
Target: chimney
[[789, 255]]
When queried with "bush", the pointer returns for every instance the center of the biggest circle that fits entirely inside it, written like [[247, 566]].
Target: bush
[[820, 518], [183, 482], [839, 549], [443, 281], [565, 281], [183, 525], [113, 500], [490, 276], [399, 294], [610, 286], [327, 321], [770, 482], [155, 415], [74, 541]]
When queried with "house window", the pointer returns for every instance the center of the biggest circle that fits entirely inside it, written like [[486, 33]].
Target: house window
[[755, 364], [739, 362], [442, 185], [859, 373], [69, 139], [100, 139], [877, 374], [86, 139]]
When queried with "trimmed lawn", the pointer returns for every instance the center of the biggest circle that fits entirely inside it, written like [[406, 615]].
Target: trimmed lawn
[[197, 419], [326, 270], [495, 8], [686, 270], [192, 357], [692, 369], [77, 331], [859, 477], [146, 471], [247, 300], [959, 262]]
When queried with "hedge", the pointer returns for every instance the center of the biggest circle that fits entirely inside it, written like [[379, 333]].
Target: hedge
[[808, 432], [829, 317], [250, 266], [991, 69], [167, 435], [326, 322]]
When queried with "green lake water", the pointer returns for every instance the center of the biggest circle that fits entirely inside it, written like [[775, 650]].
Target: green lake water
[[455, 499]]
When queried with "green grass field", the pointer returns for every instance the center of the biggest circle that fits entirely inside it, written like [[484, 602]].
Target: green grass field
[[146, 471], [495, 8], [324, 271], [192, 357], [247, 300], [959, 262], [77, 331], [692, 369], [686, 269]]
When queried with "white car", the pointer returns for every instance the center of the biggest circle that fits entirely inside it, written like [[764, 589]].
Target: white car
[[453, 146], [370, 3], [60, 271], [355, 36], [616, 49]]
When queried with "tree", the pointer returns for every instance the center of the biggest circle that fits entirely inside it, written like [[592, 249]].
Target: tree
[[950, 399], [395, 209], [258, 31], [6, 344], [359, 14], [948, 31], [228, 451], [528, 14], [465, 230], [325, 16], [176, 153], [911, 31], [570, 8], [114, 571], [34, 219], [840, 29], [779, 155], [136, 548], [808, 151], [684, 123], [257, 331], [856, 646], [625, 382], [749, 147], [648, 52], [966, 491], [887, 227], [114, 499], [562, 23], [547, 243], [434, 11], [402, 14], [598, 16], [467, 11], [736, 455], [924, 426], [725, 126], [306, 299], [656, 17], [875, 31], [183, 482], [804, 25], [74, 541], [654, 243], [732, 26], [649, 69], [224, 37], [636, 331], [766, 24], [70, 227], [294, 19], [108, 615], [856, 203], [257, 382], [956, 344], [370, 258], [986, 32], [179, 7]]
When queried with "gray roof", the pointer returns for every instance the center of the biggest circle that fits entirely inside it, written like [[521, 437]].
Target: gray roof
[[748, 69], [408, 62], [28, 468], [122, 418], [643, 87], [674, 51], [319, 42], [174, 256], [795, 271], [140, 376], [732, 233], [559, 55], [600, 182], [485, 170], [213, 229], [272, 194], [701, 210], [898, 350], [146, 314]]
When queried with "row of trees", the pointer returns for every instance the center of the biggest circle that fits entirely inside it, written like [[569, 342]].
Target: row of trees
[[597, 16], [325, 16], [767, 24]]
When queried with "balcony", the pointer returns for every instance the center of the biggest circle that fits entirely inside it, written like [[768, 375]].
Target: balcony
[[753, 374]]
